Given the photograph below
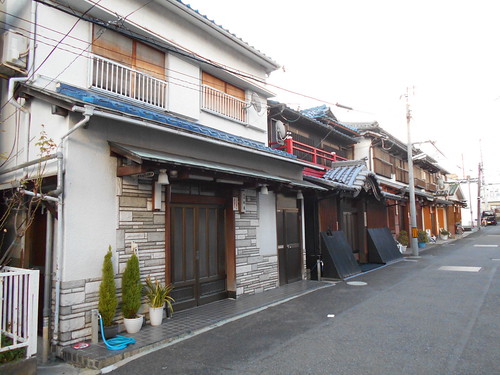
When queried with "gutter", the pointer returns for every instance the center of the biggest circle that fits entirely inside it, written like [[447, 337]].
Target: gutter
[[151, 125]]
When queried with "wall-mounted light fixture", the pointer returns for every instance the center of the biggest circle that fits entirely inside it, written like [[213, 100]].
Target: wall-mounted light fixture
[[163, 177], [264, 190]]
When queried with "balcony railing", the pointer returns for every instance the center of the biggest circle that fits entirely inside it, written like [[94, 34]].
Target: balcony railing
[[432, 187], [19, 308], [420, 183], [223, 104], [119, 79], [308, 153]]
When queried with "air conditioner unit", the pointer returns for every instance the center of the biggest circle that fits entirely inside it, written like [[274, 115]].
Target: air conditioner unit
[[14, 53]]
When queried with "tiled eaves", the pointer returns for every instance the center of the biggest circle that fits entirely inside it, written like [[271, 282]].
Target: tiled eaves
[[90, 97], [314, 121], [325, 112], [225, 30]]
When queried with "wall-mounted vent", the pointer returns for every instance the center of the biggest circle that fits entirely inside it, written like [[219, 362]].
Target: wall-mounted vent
[[14, 53]]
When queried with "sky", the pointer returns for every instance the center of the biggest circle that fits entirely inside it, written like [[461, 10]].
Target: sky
[[364, 54]]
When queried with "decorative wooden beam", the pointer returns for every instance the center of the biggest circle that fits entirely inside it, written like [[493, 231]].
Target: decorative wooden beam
[[128, 170]]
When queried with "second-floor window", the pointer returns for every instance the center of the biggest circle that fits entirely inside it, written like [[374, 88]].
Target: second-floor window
[[223, 98], [383, 162], [128, 67]]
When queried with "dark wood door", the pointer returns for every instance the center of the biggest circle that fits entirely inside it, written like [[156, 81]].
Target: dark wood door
[[351, 230], [289, 250], [198, 265]]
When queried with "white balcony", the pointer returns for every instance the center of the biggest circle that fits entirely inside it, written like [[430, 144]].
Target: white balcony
[[222, 104], [110, 76]]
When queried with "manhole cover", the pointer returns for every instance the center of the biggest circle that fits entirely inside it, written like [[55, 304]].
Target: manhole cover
[[460, 268], [356, 283]]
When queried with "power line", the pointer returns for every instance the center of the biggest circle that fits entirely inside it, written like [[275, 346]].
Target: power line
[[193, 55]]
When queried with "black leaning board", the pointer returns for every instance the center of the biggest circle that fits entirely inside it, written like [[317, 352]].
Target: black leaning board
[[338, 259], [381, 246]]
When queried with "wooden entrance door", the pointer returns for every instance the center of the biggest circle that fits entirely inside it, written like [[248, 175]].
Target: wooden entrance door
[[198, 264], [351, 230], [289, 250]]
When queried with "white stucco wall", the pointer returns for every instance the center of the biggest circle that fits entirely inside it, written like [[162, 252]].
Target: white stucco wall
[[184, 87], [266, 232], [362, 150], [90, 204]]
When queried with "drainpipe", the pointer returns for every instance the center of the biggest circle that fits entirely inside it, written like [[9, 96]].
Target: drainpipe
[[47, 287], [88, 111]]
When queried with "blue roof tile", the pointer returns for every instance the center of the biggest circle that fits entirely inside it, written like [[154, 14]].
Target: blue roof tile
[[322, 112], [91, 97]]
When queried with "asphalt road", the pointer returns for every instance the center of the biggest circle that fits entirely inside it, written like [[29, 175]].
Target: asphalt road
[[412, 317]]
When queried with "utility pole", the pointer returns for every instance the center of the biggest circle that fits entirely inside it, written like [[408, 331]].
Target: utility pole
[[411, 183], [480, 169]]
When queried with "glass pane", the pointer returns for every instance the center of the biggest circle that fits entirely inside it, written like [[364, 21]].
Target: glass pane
[[150, 61], [189, 244], [112, 45], [202, 242], [177, 245], [292, 230], [212, 241]]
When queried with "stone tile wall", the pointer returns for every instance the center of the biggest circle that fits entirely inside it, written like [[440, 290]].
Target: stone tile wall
[[137, 223], [255, 273]]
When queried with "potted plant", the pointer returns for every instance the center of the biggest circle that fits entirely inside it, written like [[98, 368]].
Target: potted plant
[[157, 295], [403, 240], [107, 297], [131, 295], [444, 234], [422, 238]]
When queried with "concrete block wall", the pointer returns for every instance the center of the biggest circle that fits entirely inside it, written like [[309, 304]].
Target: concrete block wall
[[255, 272]]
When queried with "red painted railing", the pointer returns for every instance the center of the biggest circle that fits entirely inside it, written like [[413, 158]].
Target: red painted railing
[[308, 154]]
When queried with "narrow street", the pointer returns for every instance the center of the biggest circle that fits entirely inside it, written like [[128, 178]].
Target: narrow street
[[412, 317]]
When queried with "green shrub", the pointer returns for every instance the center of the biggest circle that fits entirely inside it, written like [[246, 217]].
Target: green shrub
[[403, 238], [10, 355], [422, 236], [131, 288], [444, 232], [107, 291], [158, 294]]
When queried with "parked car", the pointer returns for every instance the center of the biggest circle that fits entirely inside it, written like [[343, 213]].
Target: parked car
[[488, 218]]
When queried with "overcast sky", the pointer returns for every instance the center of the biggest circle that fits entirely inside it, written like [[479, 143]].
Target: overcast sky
[[363, 54]]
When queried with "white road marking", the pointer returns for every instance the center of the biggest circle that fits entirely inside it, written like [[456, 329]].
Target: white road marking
[[356, 283], [460, 268]]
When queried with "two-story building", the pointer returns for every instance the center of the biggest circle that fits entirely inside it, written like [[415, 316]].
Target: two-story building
[[388, 158], [352, 201], [159, 118]]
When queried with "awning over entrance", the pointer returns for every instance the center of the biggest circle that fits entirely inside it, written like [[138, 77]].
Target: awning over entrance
[[139, 155]]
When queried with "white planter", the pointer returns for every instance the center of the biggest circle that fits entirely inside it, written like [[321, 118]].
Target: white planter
[[444, 237], [133, 325], [156, 315]]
